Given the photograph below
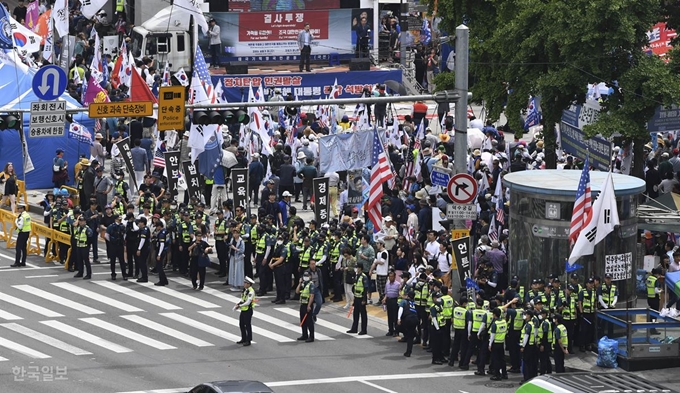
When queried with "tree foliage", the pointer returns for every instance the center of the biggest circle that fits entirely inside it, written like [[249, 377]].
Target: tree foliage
[[548, 48]]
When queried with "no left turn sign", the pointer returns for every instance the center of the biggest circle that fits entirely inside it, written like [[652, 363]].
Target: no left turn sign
[[462, 188]]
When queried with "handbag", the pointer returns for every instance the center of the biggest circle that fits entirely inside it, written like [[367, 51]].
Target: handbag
[[203, 261]]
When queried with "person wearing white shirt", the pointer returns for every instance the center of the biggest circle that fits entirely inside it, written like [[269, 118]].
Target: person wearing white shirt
[[333, 181], [380, 267], [431, 245]]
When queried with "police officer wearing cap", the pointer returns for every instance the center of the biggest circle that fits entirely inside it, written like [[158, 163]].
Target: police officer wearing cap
[[23, 225], [306, 291], [81, 235], [459, 345], [528, 346], [143, 249], [407, 320], [115, 238], [360, 291], [568, 307], [221, 243], [586, 306], [246, 307], [161, 242], [436, 328], [498, 331]]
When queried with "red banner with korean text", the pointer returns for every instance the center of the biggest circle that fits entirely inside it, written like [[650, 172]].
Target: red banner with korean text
[[660, 37], [281, 26]]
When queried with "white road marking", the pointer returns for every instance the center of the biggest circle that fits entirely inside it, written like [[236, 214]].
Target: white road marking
[[288, 326], [3, 359], [371, 384], [44, 338], [179, 295], [85, 336], [128, 333], [43, 276], [97, 297], [202, 326], [137, 295], [166, 330], [29, 306], [367, 378], [7, 316], [256, 329], [209, 291], [62, 301], [24, 350], [321, 322]]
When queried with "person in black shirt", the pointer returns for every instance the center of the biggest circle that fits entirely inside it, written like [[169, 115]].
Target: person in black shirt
[[161, 242], [19, 12], [272, 208], [92, 217], [198, 250], [143, 248], [115, 238]]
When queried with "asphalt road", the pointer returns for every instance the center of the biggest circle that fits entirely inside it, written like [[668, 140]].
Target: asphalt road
[[115, 336]]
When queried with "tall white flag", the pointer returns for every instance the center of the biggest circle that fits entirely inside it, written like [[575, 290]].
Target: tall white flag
[[60, 17], [257, 123], [48, 53], [91, 7], [28, 163], [601, 222], [193, 7]]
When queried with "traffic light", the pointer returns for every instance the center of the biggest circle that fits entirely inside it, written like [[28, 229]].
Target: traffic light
[[11, 122], [235, 117], [221, 117]]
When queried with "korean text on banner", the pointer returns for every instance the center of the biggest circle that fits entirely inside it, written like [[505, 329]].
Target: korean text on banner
[[321, 204], [172, 166]]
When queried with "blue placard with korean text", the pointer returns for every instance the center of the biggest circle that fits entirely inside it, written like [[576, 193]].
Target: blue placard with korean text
[[573, 138], [665, 119], [439, 178]]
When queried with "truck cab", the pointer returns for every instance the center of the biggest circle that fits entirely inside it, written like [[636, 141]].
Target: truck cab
[[166, 37]]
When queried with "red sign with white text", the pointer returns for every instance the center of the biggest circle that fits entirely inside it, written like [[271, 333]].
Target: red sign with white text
[[281, 26], [660, 38]]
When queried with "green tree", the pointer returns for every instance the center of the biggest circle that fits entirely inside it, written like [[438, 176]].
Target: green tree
[[639, 91]]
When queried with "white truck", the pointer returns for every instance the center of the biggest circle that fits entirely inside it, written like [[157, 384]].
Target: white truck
[[167, 36]]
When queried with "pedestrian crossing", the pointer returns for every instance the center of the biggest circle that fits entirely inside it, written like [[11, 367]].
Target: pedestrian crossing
[[57, 319]]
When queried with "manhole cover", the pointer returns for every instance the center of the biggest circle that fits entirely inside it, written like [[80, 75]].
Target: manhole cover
[[499, 385]]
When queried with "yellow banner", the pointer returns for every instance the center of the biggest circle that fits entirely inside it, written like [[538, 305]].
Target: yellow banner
[[459, 233], [120, 109]]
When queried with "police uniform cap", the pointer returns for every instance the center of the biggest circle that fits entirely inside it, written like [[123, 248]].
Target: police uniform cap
[[556, 279], [571, 288], [538, 300], [515, 277], [81, 218], [574, 276], [480, 302], [544, 311], [249, 280], [591, 281], [64, 203], [436, 294], [306, 274]]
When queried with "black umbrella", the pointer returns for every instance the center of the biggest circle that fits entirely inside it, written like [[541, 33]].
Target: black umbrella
[[396, 87]]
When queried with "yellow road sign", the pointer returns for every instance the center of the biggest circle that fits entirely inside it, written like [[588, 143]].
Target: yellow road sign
[[120, 109], [171, 108], [459, 233]]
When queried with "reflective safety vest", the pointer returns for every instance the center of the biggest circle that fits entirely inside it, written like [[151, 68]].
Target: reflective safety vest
[[64, 225], [551, 301], [459, 317], [471, 306], [520, 292], [244, 297], [518, 323], [26, 227], [261, 245], [608, 294], [121, 189], [569, 308], [440, 314], [120, 5], [477, 318], [254, 236], [563, 336], [220, 229], [421, 294], [119, 209], [358, 288], [650, 283], [319, 253], [430, 302], [209, 181], [143, 200], [447, 307], [186, 236], [528, 329], [81, 237], [588, 302], [501, 331], [305, 256], [304, 292], [545, 328], [335, 252]]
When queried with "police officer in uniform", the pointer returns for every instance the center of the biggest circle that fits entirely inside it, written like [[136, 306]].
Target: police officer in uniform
[[131, 236], [277, 265], [560, 343], [360, 290], [306, 291], [407, 320], [447, 314], [115, 236], [498, 331], [161, 242], [82, 235], [475, 320], [586, 306], [607, 296], [143, 248], [421, 298], [568, 307], [528, 347], [246, 306], [23, 225], [654, 289], [545, 342], [221, 244], [185, 233], [436, 328], [459, 345]]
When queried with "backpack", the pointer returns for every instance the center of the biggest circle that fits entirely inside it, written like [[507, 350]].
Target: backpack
[[424, 169]]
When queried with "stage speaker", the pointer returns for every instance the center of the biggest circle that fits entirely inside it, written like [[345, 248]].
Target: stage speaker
[[237, 67], [362, 64]]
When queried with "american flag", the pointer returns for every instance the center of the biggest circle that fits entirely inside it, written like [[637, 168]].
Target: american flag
[[97, 125], [583, 203], [202, 70], [498, 194], [380, 173], [159, 157], [493, 231]]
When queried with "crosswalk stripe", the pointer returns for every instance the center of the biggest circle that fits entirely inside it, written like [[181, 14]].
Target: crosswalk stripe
[[127, 333], [7, 316], [289, 326], [137, 295], [202, 326], [44, 338], [320, 322], [166, 330], [97, 297], [257, 315], [180, 295], [3, 359], [58, 299], [22, 349], [256, 329], [85, 336], [29, 306]]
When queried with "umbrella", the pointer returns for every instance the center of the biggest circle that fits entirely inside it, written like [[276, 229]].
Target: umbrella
[[487, 158], [476, 123], [396, 87], [475, 138], [673, 282], [228, 159]]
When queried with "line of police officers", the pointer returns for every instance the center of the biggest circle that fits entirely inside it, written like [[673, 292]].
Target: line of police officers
[[531, 325]]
